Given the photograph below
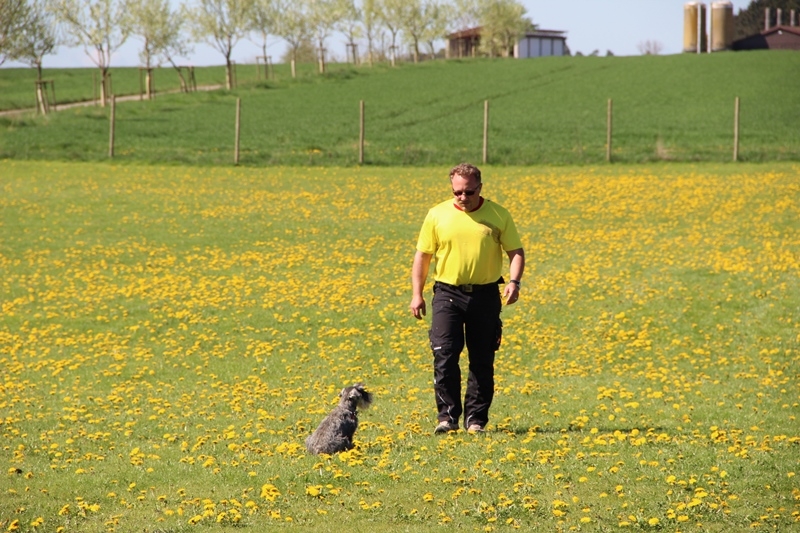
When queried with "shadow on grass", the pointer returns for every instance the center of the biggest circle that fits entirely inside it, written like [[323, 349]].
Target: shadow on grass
[[521, 430]]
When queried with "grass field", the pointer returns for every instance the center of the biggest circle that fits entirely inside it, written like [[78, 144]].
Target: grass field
[[549, 110], [170, 335], [78, 84]]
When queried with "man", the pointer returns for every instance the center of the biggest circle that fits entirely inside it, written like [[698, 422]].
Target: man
[[467, 236]]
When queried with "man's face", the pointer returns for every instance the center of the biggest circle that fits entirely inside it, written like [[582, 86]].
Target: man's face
[[461, 189]]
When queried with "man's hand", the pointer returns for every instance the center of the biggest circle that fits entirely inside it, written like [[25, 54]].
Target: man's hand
[[417, 307], [511, 293]]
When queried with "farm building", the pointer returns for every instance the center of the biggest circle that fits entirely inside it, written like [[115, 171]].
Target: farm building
[[464, 43], [535, 43], [541, 43], [776, 38]]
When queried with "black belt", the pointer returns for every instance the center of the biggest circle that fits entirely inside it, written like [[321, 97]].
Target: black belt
[[469, 287]]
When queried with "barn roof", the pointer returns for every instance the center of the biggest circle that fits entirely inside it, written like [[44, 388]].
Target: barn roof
[[476, 32], [781, 28], [772, 35], [464, 34], [546, 33]]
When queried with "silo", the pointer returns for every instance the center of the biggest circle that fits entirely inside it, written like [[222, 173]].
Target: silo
[[694, 27], [721, 26]]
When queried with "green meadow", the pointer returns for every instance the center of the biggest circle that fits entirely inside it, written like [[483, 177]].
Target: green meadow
[[676, 108], [170, 335]]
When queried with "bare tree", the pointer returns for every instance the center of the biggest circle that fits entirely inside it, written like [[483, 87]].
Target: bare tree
[[222, 23], [292, 25], [13, 14], [650, 48], [37, 37], [100, 26]]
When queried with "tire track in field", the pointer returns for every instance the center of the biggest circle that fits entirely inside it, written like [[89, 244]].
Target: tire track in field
[[543, 81]]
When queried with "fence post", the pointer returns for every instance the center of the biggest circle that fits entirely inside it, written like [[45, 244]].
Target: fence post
[[485, 131], [609, 115], [361, 133], [111, 127], [238, 115], [736, 129]]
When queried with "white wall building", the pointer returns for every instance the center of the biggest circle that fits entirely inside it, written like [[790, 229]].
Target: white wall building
[[542, 43]]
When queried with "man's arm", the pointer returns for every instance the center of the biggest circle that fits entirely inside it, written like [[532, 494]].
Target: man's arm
[[419, 273], [516, 269]]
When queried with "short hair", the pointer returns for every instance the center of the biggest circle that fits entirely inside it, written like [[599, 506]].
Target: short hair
[[465, 170]]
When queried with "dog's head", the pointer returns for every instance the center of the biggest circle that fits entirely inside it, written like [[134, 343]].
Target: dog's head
[[355, 397]]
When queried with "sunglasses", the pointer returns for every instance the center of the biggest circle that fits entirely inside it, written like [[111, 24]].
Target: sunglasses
[[467, 192]]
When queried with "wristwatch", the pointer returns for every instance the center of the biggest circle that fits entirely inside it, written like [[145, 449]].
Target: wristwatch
[[516, 282]]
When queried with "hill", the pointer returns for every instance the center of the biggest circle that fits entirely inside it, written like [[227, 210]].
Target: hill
[[542, 111]]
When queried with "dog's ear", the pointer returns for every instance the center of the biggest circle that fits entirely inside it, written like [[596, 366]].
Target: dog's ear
[[354, 392], [341, 392]]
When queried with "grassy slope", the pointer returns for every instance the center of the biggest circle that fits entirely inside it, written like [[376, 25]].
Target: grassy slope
[[550, 110]]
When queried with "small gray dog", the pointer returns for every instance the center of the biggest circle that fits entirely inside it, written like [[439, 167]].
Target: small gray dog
[[335, 433]]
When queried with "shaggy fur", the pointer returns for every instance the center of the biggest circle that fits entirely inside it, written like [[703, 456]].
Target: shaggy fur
[[335, 433]]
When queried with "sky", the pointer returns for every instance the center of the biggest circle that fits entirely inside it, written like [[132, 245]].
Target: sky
[[618, 26]]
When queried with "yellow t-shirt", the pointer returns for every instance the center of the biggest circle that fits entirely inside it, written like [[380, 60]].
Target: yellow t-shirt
[[468, 247]]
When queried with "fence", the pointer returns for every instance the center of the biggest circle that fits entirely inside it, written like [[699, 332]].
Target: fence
[[485, 152], [406, 116]]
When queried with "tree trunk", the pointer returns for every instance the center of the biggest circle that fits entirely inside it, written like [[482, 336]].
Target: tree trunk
[[103, 86], [228, 74], [184, 86]]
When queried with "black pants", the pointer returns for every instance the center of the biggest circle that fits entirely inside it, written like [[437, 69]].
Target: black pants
[[460, 316]]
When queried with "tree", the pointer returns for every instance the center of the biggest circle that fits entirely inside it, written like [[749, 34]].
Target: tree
[[502, 24], [649, 48], [392, 13], [350, 25], [161, 29], [439, 15], [100, 26], [465, 14], [37, 37], [264, 20], [370, 20], [323, 16], [13, 14], [305, 53], [750, 20], [414, 24], [222, 23], [292, 25]]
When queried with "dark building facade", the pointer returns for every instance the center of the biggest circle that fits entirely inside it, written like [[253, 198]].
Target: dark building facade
[[775, 38]]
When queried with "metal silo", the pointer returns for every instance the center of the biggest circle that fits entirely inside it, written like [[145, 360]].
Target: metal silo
[[694, 27], [721, 26]]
